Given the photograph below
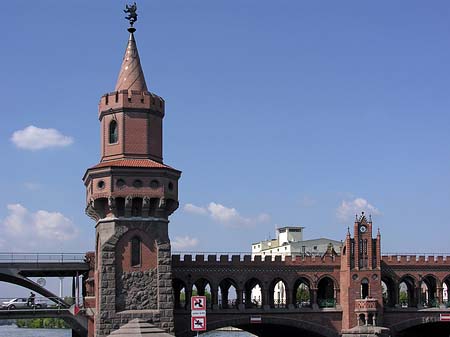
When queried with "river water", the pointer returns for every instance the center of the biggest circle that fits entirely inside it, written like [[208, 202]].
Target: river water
[[13, 331]]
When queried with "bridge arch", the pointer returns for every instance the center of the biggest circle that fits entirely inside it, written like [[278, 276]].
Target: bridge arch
[[17, 279], [225, 286], [326, 291], [389, 289], [254, 293], [430, 282], [274, 321], [202, 284], [407, 290], [278, 291], [302, 291], [179, 288]]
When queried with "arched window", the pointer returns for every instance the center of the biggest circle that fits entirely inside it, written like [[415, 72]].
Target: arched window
[[364, 288], [135, 251], [113, 132]]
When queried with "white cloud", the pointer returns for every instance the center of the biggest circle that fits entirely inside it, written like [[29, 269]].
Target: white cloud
[[184, 242], [224, 214], [347, 210], [190, 208], [17, 219], [228, 216], [22, 223], [34, 138], [54, 225]]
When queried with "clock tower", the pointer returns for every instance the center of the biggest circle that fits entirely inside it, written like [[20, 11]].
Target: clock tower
[[361, 290]]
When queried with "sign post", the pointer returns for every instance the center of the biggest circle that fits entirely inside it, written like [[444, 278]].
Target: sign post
[[198, 313]]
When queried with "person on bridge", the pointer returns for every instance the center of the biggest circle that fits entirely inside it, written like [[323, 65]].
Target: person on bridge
[[30, 302]]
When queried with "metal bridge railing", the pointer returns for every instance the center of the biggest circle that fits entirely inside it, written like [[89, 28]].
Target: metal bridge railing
[[42, 257], [36, 303]]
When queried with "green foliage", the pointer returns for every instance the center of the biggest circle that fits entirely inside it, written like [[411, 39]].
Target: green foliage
[[42, 323], [302, 294], [403, 297]]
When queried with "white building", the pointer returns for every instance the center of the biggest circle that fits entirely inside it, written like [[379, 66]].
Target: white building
[[289, 241]]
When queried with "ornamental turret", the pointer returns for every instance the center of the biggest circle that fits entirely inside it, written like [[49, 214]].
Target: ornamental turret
[[130, 194]]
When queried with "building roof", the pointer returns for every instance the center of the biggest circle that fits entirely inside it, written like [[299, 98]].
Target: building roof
[[139, 327], [290, 227], [131, 76], [146, 163]]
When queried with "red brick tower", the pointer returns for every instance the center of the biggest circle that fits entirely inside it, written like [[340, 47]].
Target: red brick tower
[[130, 195], [361, 290]]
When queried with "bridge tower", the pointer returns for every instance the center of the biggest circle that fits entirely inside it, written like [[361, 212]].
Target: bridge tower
[[361, 290], [130, 194]]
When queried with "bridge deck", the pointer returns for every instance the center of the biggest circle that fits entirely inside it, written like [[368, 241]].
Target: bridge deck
[[47, 269]]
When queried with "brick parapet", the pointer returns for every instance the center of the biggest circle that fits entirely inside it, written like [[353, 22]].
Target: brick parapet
[[131, 99], [247, 260], [418, 260]]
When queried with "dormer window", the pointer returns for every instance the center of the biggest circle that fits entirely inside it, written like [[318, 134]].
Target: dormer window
[[113, 132]]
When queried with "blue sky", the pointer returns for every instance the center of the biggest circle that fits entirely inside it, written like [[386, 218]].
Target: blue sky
[[278, 113]]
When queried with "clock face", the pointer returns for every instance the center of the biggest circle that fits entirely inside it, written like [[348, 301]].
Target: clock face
[[363, 229]]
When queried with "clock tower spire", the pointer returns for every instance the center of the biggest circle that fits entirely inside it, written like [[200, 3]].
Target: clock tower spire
[[361, 291]]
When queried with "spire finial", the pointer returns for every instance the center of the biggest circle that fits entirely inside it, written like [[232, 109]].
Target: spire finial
[[131, 76], [132, 15]]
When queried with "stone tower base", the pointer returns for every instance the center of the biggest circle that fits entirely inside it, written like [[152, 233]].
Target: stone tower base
[[367, 331]]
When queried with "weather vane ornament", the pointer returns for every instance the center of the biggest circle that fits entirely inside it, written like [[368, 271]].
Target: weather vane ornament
[[132, 15]]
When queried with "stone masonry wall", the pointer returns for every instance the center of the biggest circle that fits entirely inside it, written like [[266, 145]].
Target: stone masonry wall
[[137, 290], [160, 312]]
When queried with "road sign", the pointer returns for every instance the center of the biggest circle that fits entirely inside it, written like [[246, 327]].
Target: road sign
[[198, 323], [198, 313], [198, 303], [445, 317]]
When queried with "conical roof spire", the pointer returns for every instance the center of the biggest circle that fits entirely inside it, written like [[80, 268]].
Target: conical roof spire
[[131, 76]]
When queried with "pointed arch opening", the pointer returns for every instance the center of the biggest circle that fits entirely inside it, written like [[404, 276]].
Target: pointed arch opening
[[325, 293], [228, 294], [203, 288], [389, 292], [253, 293], [277, 293], [179, 294], [428, 292], [365, 288], [406, 292], [113, 132], [302, 293]]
